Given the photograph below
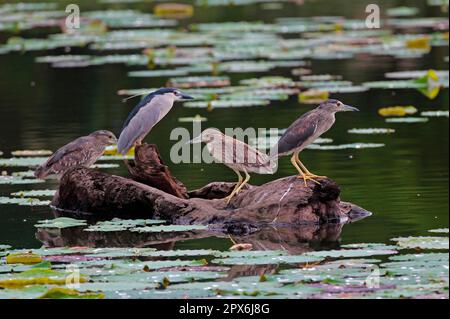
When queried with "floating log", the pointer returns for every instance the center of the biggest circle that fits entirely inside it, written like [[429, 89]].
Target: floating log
[[155, 193]]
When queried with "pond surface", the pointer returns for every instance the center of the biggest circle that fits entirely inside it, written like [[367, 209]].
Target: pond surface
[[404, 183]]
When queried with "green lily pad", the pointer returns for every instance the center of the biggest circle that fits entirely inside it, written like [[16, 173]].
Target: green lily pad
[[17, 180], [407, 120], [435, 114], [422, 242], [117, 224], [23, 201], [371, 131], [267, 260], [226, 103], [35, 193], [345, 146], [60, 222], [168, 228], [362, 252], [439, 230]]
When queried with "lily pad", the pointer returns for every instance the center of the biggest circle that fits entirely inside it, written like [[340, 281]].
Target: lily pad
[[60, 222], [407, 120], [434, 113], [362, 252], [32, 153], [23, 201], [422, 242], [439, 230], [345, 146], [35, 193], [371, 131], [65, 293], [168, 228], [117, 224]]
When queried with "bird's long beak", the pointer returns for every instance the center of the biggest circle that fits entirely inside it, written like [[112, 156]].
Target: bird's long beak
[[196, 140], [186, 97], [348, 108]]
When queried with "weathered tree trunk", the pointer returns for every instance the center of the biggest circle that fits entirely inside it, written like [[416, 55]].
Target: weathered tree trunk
[[148, 168], [285, 201]]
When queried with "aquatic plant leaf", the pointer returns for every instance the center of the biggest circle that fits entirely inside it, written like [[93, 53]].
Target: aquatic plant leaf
[[435, 113], [60, 222], [345, 146], [371, 131], [438, 230], [252, 254], [168, 228], [267, 260], [362, 252], [313, 96], [407, 120], [402, 11], [23, 258], [65, 293], [370, 246], [199, 81], [441, 74], [149, 252], [35, 193], [22, 161], [422, 242], [113, 151], [118, 224], [226, 103], [173, 10], [17, 180], [397, 110], [196, 118], [25, 153], [24, 201]]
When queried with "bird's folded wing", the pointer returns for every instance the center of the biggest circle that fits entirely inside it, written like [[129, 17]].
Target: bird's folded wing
[[297, 135], [74, 149]]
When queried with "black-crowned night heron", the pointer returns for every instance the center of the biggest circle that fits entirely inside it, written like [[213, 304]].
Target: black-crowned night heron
[[306, 130], [84, 151], [237, 155], [150, 110]]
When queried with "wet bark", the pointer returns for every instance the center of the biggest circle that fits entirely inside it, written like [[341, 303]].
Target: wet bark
[[155, 193]]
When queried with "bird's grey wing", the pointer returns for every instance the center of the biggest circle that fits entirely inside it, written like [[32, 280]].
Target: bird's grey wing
[[298, 134], [137, 127]]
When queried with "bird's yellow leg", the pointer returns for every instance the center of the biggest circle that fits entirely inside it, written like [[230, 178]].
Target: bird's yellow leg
[[247, 178], [300, 172], [307, 172], [229, 197]]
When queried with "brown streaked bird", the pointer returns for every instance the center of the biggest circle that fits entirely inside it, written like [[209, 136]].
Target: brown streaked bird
[[84, 151], [306, 130], [237, 155]]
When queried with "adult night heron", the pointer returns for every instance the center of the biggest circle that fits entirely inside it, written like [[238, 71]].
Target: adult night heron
[[305, 130], [84, 151], [237, 155], [150, 110]]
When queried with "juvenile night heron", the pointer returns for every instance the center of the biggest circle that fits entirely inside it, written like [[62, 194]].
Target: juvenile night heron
[[84, 151], [237, 155], [305, 130], [150, 110]]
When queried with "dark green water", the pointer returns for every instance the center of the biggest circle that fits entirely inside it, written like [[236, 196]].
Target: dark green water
[[404, 184]]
